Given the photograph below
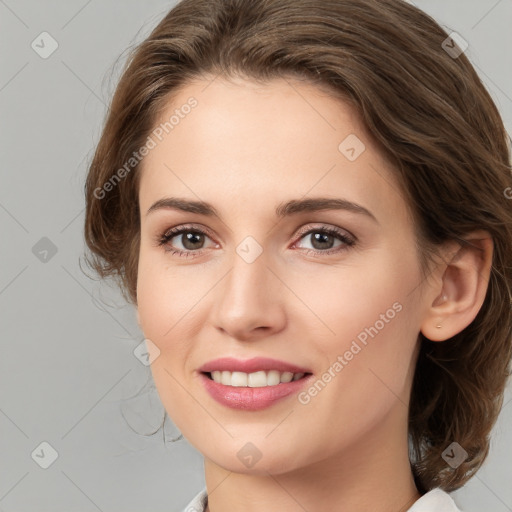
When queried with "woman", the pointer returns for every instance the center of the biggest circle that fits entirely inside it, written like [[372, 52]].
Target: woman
[[309, 205]]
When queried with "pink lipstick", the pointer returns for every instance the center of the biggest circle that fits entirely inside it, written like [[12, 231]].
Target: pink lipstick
[[252, 384]]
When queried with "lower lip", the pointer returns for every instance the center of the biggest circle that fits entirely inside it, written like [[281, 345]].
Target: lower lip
[[251, 399]]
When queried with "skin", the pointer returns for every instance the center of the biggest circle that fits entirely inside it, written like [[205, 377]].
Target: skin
[[246, 148]]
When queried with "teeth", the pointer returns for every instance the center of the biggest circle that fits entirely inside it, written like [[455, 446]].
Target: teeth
[[237, 379], [254, 380], [273, 378], [286, 377]]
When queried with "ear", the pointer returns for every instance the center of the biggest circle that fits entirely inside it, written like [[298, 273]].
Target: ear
[[460, 287]]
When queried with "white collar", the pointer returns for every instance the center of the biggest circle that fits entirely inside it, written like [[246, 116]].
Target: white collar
[[435, 500]]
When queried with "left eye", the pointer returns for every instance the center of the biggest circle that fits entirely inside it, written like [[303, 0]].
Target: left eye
[[323, 239]]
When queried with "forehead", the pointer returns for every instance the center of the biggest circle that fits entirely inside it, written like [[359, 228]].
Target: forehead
[[244, 143]]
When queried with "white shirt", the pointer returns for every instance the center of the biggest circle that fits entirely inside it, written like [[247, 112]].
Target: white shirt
[[435, 500]]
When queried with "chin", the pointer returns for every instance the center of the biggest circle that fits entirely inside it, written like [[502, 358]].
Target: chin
[[246, 458]]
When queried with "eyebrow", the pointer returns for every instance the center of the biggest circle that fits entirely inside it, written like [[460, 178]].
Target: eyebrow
[[286, 209]]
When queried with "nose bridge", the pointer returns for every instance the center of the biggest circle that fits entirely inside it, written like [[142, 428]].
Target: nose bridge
[[249, 296], [248, 279]]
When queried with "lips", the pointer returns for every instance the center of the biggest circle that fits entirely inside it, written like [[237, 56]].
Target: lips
[[239, 392]]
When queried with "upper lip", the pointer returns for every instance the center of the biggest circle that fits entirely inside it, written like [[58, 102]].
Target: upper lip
[[250, 365]]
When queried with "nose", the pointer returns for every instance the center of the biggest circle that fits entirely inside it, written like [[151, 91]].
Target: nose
[[249, 300]]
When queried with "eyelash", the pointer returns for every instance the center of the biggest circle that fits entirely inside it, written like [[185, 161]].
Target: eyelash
[[163, 240]]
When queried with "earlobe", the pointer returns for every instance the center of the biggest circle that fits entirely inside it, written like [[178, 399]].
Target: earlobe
[[461, 291]]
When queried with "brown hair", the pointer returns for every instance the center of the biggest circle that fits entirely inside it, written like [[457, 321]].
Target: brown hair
[[432, 117]]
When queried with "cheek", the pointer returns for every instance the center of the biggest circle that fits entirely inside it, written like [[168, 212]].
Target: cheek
[[345, 301], [367, 327], [165, 314], [151, 303], [171, 301], [164, 295]]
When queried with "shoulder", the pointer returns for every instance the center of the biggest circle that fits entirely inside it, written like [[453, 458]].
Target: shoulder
[[198, 503], [435, 500]]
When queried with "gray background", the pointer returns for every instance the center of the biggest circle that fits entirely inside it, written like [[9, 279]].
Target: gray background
[[67, 365]]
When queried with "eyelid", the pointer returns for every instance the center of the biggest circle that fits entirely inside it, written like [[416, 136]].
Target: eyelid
[[187, 225], [323, 226]]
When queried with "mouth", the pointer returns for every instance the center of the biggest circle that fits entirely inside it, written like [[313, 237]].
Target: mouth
[[252, 384], [258, 379]]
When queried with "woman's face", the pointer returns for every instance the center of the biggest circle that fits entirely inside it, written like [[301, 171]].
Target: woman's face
[[261, 278]]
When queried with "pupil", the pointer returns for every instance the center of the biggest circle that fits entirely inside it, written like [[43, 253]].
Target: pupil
[[189, 240], [317, 238]]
